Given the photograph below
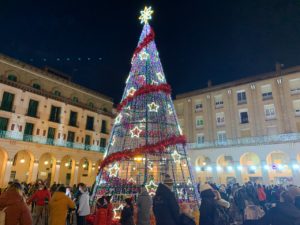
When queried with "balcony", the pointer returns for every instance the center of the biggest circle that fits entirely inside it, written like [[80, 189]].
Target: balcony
[[19, 136], [295, 91], [242, 101], [267, 96], [272, 139]]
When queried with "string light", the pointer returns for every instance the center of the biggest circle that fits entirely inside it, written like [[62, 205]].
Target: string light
[[113, 171], [118, 119], [117, 211], [160, 76], [131, 91], [144, 55], [135, 132], [176, 156], [151, 187], [153, 107], [146, 15]]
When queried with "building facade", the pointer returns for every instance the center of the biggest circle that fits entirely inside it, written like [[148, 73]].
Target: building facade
[[50, 128], [245, 130]]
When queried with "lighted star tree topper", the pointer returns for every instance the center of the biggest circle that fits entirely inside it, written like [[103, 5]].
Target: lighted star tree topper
[[146, 142]]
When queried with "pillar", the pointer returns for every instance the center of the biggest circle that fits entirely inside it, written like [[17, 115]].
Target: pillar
[[34, 171], [75, 180], [238, 173], [265, 173], [56, 173], [295, 172], [7, 171]]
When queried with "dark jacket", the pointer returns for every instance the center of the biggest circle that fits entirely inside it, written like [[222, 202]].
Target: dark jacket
[[127, 216], [165, 206], [284, 214], [207, 208]]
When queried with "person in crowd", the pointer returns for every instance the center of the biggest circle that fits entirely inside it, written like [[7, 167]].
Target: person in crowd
[[284, 213], [297, 202], [109, 210], [144, 205], [14, 205], [212, 209], [223, 192], [127, 213], [41, 198], [165, 205], [84, 206], [68, 192], [101, 217], [59, 206], [262, 197]]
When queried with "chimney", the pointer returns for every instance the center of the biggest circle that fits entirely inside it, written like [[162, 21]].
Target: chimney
[[278, 67], [209, 83]]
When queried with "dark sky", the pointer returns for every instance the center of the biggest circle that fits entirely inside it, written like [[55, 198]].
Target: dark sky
[[197, 40]]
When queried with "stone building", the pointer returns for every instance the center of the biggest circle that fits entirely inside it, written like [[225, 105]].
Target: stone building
[[246, 129], [50, 128]]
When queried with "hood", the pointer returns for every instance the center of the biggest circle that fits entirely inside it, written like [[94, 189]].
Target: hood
[[10, 198], [58, 196]]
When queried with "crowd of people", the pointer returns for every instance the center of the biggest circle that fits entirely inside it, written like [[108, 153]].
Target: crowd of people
[[250, 203]]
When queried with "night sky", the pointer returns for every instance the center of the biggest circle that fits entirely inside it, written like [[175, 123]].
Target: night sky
[[197, 40]]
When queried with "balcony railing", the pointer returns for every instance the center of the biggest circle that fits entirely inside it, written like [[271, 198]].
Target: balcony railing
[[19, 136], [272, 139]]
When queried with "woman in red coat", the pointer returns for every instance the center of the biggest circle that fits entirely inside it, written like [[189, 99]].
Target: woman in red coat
[[101, 213]]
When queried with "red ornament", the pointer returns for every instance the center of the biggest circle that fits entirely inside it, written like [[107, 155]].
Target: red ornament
[[144, 43]]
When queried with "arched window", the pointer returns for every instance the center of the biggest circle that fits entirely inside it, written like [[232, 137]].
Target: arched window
[[90, 104], [57, 93], [12, 77], [36, 86]]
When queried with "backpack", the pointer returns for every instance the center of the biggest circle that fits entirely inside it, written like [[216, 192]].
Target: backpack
[[2, 216], [221, 216]]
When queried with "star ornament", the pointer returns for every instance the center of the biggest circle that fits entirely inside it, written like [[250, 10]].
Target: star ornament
[[160, 76], [113, 140], [131, 91], [118, 119], [117, 212], [113, 171], [151, 187], [153, 107], [170, 109], [176, 156], [135, 132], [143, 55], [146, 15]]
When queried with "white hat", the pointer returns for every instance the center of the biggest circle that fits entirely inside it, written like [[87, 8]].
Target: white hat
[[205, 187]]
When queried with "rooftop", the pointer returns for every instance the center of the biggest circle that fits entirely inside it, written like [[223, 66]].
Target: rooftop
[[277, 73]]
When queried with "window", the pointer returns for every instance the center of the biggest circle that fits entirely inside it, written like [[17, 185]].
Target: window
[[295, 86], [296, 105], [55, 114], [90, 104], [7, 101], [104, 127], [36, 86], [270, 111], [218, 101], [73, 119], [89, 123], [241, 97], [221, 136], [28, 132], [198, 106], [220, 119], [32, 108], [51, 135], [266, 92], [75, 99], [87, 142], [12, 77], [3, 126], [199, 122], [102, 142], [70, 139], [244, 116], [57, 93], [200, 138]]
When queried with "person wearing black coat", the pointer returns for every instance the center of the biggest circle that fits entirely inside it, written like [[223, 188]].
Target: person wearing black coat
[[165, 206], [127, 213], [208, 205], [285, 212]]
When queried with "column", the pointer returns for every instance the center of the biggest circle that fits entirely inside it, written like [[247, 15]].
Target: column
[[34, 172], [56, 173], [75, 181], [238, 173], [295, 172], [265, 172], [7, 171]]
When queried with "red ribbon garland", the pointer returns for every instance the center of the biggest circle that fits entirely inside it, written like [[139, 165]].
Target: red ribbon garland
[[154, 148], [148, 88], [144, 43]]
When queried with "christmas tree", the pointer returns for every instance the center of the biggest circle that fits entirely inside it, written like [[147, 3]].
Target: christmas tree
[[146, 142]]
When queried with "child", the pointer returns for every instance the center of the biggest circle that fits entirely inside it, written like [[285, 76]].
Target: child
[[101, 213]]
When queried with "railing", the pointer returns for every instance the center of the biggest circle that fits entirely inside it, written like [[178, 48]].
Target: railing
[[272, 139], [19, 136]]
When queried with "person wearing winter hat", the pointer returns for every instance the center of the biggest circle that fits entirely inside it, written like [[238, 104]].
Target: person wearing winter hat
[[165, 206]]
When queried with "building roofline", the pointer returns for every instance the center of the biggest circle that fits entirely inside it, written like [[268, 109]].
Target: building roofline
[[46, 74], [258, 77]]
